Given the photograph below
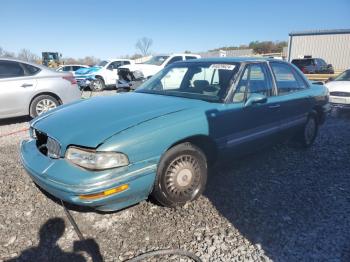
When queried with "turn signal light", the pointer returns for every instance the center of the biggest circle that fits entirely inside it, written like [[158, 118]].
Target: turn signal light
[[105, 193]]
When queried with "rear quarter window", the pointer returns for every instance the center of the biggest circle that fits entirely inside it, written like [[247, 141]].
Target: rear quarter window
[[31, 70], [287, 79]]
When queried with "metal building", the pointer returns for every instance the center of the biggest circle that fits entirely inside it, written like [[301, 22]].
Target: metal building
[[331, 45]]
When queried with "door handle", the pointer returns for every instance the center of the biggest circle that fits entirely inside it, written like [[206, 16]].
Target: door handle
[[26, 85], [274, 106]]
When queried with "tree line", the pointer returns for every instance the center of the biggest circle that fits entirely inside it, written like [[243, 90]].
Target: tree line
[[259, 47], [143, 46]]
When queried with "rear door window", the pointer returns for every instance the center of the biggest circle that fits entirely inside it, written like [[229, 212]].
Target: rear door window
[[10, 69]]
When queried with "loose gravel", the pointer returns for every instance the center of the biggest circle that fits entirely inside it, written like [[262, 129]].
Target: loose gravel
[[281, 204]]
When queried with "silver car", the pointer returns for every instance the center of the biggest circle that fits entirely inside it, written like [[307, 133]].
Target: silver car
[[31, 89]]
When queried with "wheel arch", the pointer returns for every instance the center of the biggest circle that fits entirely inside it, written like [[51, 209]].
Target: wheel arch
[[41, 94], [318, 111], [101, 77], [205, 143], [45, 93]]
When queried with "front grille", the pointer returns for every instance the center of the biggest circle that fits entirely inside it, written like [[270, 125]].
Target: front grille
[[343, 94], [47, 145]]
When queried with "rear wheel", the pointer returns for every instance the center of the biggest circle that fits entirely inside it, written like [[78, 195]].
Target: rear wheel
[[181, 175], [98, 85], [42, 104], [309, 131]]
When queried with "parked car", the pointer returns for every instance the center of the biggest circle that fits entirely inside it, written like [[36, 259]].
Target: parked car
[[313, 66], [31, 89], [170, 132], [133, 75], [70, 68], [102, 75], [339, 90]]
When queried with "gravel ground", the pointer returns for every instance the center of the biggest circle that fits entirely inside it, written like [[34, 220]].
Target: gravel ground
[[281, 204]]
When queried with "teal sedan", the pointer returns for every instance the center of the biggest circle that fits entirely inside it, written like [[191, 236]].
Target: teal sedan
[[113, 152]]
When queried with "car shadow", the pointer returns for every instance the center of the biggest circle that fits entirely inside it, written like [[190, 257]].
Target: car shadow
[[48, 249], [277, 197], [14, 120]]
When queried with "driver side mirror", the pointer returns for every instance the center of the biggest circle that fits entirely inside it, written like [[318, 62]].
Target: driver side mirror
[[255, 99]]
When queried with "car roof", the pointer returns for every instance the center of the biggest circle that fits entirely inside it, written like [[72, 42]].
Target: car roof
[[233, 59], [117, 59], [25, 62]]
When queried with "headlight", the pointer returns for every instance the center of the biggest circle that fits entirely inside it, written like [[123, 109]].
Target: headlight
[[32, 133], [95, 160]]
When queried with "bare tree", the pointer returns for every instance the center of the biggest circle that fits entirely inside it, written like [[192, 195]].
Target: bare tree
[[27, 55], [9, 54], [4, 53], [144, 45]]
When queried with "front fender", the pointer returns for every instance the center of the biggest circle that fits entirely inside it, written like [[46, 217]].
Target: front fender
[[151, 139]]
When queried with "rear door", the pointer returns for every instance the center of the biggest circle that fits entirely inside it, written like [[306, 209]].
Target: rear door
[[17, 84], [293, 95]]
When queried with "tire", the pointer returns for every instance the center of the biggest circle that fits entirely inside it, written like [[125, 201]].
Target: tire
[[181, 175], [309, 131], [42, 104], [98, 85]]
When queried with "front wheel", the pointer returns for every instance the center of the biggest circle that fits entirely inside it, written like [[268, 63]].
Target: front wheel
[[181, 175], [98, 85]]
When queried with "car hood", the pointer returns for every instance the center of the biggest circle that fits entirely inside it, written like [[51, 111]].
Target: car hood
[[86, 71], [338, 86], [90, 122]]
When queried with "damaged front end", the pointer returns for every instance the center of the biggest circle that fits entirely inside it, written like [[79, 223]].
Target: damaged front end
[[129, 80]]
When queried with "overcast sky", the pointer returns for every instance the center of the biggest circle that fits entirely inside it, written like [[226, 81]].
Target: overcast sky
[[111, 28]]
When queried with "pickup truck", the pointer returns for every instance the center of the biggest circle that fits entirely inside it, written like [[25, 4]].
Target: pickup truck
[[132, 75], [100, 76]]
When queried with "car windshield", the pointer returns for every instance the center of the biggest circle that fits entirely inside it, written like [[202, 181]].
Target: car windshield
[[156, 60], [345, 76], [102, 63], [207, 81]]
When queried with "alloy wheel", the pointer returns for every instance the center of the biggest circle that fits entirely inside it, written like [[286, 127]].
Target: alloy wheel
[[44, 105]]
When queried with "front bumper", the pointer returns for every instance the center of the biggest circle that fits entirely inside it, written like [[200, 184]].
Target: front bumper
[[66, 181]]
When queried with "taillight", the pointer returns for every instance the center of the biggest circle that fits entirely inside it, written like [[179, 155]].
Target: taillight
[[71, 79]]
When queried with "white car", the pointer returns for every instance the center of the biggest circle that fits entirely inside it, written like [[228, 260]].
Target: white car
[[149, 68], [31, 89], [103, 74], [339, 90], [70, 68]]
